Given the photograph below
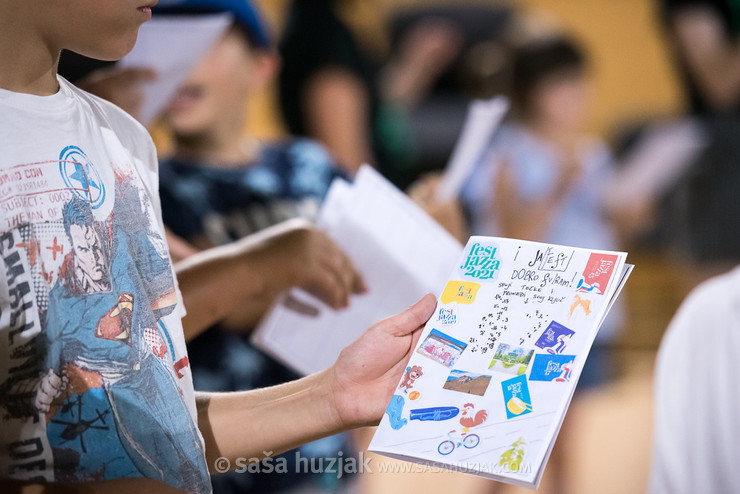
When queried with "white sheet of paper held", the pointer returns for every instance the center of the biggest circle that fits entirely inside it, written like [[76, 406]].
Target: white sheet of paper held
[[172, 46], [401, 253], [482, 120]]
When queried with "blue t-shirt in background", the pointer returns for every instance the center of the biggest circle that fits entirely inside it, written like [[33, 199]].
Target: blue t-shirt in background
[[288, 180]]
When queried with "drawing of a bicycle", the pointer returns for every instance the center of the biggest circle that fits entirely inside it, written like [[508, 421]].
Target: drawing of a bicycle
[[447, 446]]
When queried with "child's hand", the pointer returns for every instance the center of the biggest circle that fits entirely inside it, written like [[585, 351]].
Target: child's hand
[[449, 214], [235, 284], [363, 378], [299, 255]]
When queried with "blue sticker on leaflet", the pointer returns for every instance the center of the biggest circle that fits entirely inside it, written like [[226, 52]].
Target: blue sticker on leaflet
[[394, 410], [516, 397], [555, 338], [555, 368], [436, 414]]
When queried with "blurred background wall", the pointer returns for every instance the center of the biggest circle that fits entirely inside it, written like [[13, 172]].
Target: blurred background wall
[[632, 75]]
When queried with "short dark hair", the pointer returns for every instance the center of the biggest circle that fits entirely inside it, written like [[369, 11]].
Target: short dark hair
[[77, 212], [536, 61]]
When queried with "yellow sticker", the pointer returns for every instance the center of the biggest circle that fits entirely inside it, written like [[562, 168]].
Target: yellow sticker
[[462, 292], [516, 406]]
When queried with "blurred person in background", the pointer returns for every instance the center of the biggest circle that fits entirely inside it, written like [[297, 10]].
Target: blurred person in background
[[221, 185], [331, 90], [705, 38], [702, 210], [542, 179]]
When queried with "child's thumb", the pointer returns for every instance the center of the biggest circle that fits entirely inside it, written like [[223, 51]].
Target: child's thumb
[[412, 318]]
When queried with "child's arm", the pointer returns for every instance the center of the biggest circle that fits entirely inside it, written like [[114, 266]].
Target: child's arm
[[335, 102], [236, 283], [353, 392]]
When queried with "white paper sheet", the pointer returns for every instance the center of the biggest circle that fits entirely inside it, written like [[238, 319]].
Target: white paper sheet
[[172, 46], [482, 120], [377, 226], [659, 160]]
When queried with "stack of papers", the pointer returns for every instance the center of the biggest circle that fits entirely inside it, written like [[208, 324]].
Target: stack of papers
[[493, 373], [399, 250]]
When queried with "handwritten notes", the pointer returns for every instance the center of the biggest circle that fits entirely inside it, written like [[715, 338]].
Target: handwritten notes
[[506, 346]]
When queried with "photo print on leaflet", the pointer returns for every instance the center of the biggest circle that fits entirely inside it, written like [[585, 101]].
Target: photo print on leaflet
[[441, 348], [511, 359], [467, 382]]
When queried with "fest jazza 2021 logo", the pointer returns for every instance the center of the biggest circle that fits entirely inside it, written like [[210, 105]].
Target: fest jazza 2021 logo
[[481, 262]]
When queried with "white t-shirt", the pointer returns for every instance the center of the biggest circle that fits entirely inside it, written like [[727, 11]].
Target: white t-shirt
[[697, 397], [94, 375]]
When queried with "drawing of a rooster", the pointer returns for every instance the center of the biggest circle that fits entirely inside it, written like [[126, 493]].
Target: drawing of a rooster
[[468, 421]]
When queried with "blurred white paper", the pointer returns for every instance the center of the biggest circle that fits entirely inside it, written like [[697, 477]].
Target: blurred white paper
[[172, 46], [398, 249], [658, 161], [481, 122]]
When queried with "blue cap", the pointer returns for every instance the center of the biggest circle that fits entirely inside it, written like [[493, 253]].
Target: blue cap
[[246, 15]]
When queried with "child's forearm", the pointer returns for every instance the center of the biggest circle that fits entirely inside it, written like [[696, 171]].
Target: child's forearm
[[236, 283], [214, 282], [265, 422], [351, 393]]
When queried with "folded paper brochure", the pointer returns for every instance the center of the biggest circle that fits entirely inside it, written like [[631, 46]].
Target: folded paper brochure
[[493, 373]]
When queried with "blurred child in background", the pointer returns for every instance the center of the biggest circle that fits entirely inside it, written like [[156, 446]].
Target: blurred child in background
[[542, 178]]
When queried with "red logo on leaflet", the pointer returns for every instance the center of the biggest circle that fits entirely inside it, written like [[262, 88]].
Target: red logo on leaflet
[[597, 274]]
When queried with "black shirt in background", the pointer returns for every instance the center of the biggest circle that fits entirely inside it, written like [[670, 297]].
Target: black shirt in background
[[728, 12], [314, 39]]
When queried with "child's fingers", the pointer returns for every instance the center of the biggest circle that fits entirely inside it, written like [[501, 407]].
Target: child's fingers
[[413, 318], [342, 272], [325, 284], [358, 284], [355, 283], [343, 268]]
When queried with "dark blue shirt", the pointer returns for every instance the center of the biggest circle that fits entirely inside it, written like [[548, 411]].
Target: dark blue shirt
[[288, 180]]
